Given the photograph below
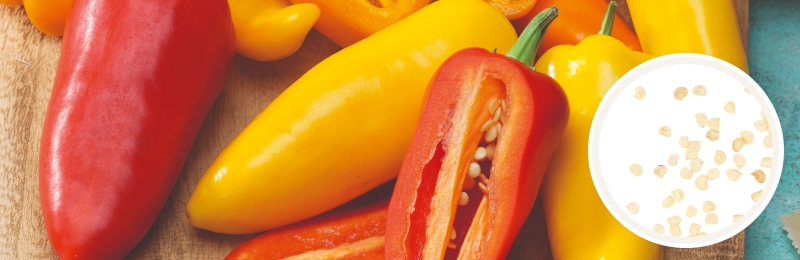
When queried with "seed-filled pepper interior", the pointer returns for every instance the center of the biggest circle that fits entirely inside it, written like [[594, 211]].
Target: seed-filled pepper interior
[[488, 128]]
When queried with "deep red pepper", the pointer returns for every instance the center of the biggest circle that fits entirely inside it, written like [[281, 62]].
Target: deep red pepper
[[356, 235], [425, 204], [133, 85]]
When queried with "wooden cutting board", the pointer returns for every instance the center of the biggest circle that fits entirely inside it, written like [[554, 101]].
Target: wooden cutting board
[[28, 62]]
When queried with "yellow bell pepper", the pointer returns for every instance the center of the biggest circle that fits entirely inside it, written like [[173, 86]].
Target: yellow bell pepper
[[49, 16], [268, 30], [578, 224], [697, 26], [342, 128]]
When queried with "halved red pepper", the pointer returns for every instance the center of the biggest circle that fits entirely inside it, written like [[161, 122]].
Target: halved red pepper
[[356, 235], [480, 105]]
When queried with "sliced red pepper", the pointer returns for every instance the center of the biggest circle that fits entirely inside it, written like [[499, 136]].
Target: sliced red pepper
[[475, 95], [357, 235]]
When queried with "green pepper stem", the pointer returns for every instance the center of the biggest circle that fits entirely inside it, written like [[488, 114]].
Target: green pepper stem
[[527, 44], [608, 20]]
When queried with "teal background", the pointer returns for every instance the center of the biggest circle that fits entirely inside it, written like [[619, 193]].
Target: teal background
[[774, 61]]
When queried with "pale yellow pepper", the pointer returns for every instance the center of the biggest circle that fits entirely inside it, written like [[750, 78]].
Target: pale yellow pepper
[[343, 127], [579, 225], [695, 26], [268, 30]]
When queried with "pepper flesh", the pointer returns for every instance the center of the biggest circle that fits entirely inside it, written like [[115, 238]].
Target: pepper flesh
[[343, 127], [578, 20], [348, 21], [514, 9], [707, 27], [579, 225], [356, 235], [423, 209], [49, 16], [268, 30], [129, 97]]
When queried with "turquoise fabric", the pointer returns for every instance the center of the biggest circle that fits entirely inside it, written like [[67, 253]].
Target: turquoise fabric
[[774, 59]]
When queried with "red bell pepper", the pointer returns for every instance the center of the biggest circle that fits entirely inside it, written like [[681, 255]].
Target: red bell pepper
[[450, 201], [356, 235], [133, 85]]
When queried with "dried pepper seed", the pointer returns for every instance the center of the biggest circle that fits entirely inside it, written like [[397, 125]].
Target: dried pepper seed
[[701, 119], [712, 174], [738, 143], [480, 154], [690, 154], [490, 149], [730, 107], [668, 202], [739, 160], [497, 115], [709, 206], [747, 136], [665, 131], [463, 199], [453, 234], [760, 176], [660, 171], [487, 125], [633, 207], [686, 173], [451, 245], [719, 157], [756, 194], [712, 135], [499, 127], [761, 125], [696, 164], [474, 170], [712, 218], [677, 195], [680, 93], [483, 188], [768, 141], [683, 141], [713, 124], [733, 174], [483, 179], [658, 228], [737, 217], [493, 105], [673, 160], [766, 162], [640, 93], [699, 90], [746, 91], [675, 231], [674, 220], [701, 182], [763, 116], [491, 135], [694, 145], [636, 169], [691, 211], [694, 229]]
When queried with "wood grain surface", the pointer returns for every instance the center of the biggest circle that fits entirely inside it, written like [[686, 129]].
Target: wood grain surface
[[28, 62]]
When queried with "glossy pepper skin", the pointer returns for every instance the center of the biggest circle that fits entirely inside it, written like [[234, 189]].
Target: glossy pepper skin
[[578, 224], [425, 203], [696, 26], [346, 22], [343, 127], [514, 9], [129, 97], [578, 20], [49, 16], [268, 30], [355, 235]]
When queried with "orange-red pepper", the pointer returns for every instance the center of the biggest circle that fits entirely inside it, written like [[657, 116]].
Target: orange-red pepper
[[348, 21], [578, 20], [514, 9], [355, 235]]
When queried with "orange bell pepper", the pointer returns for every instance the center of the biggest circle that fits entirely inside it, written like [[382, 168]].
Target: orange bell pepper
[[577, 20], [49, 16], [348, 21], [515, 9]]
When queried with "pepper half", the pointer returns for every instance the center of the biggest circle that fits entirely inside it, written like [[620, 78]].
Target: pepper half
[[488, 128], [355, 235]]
